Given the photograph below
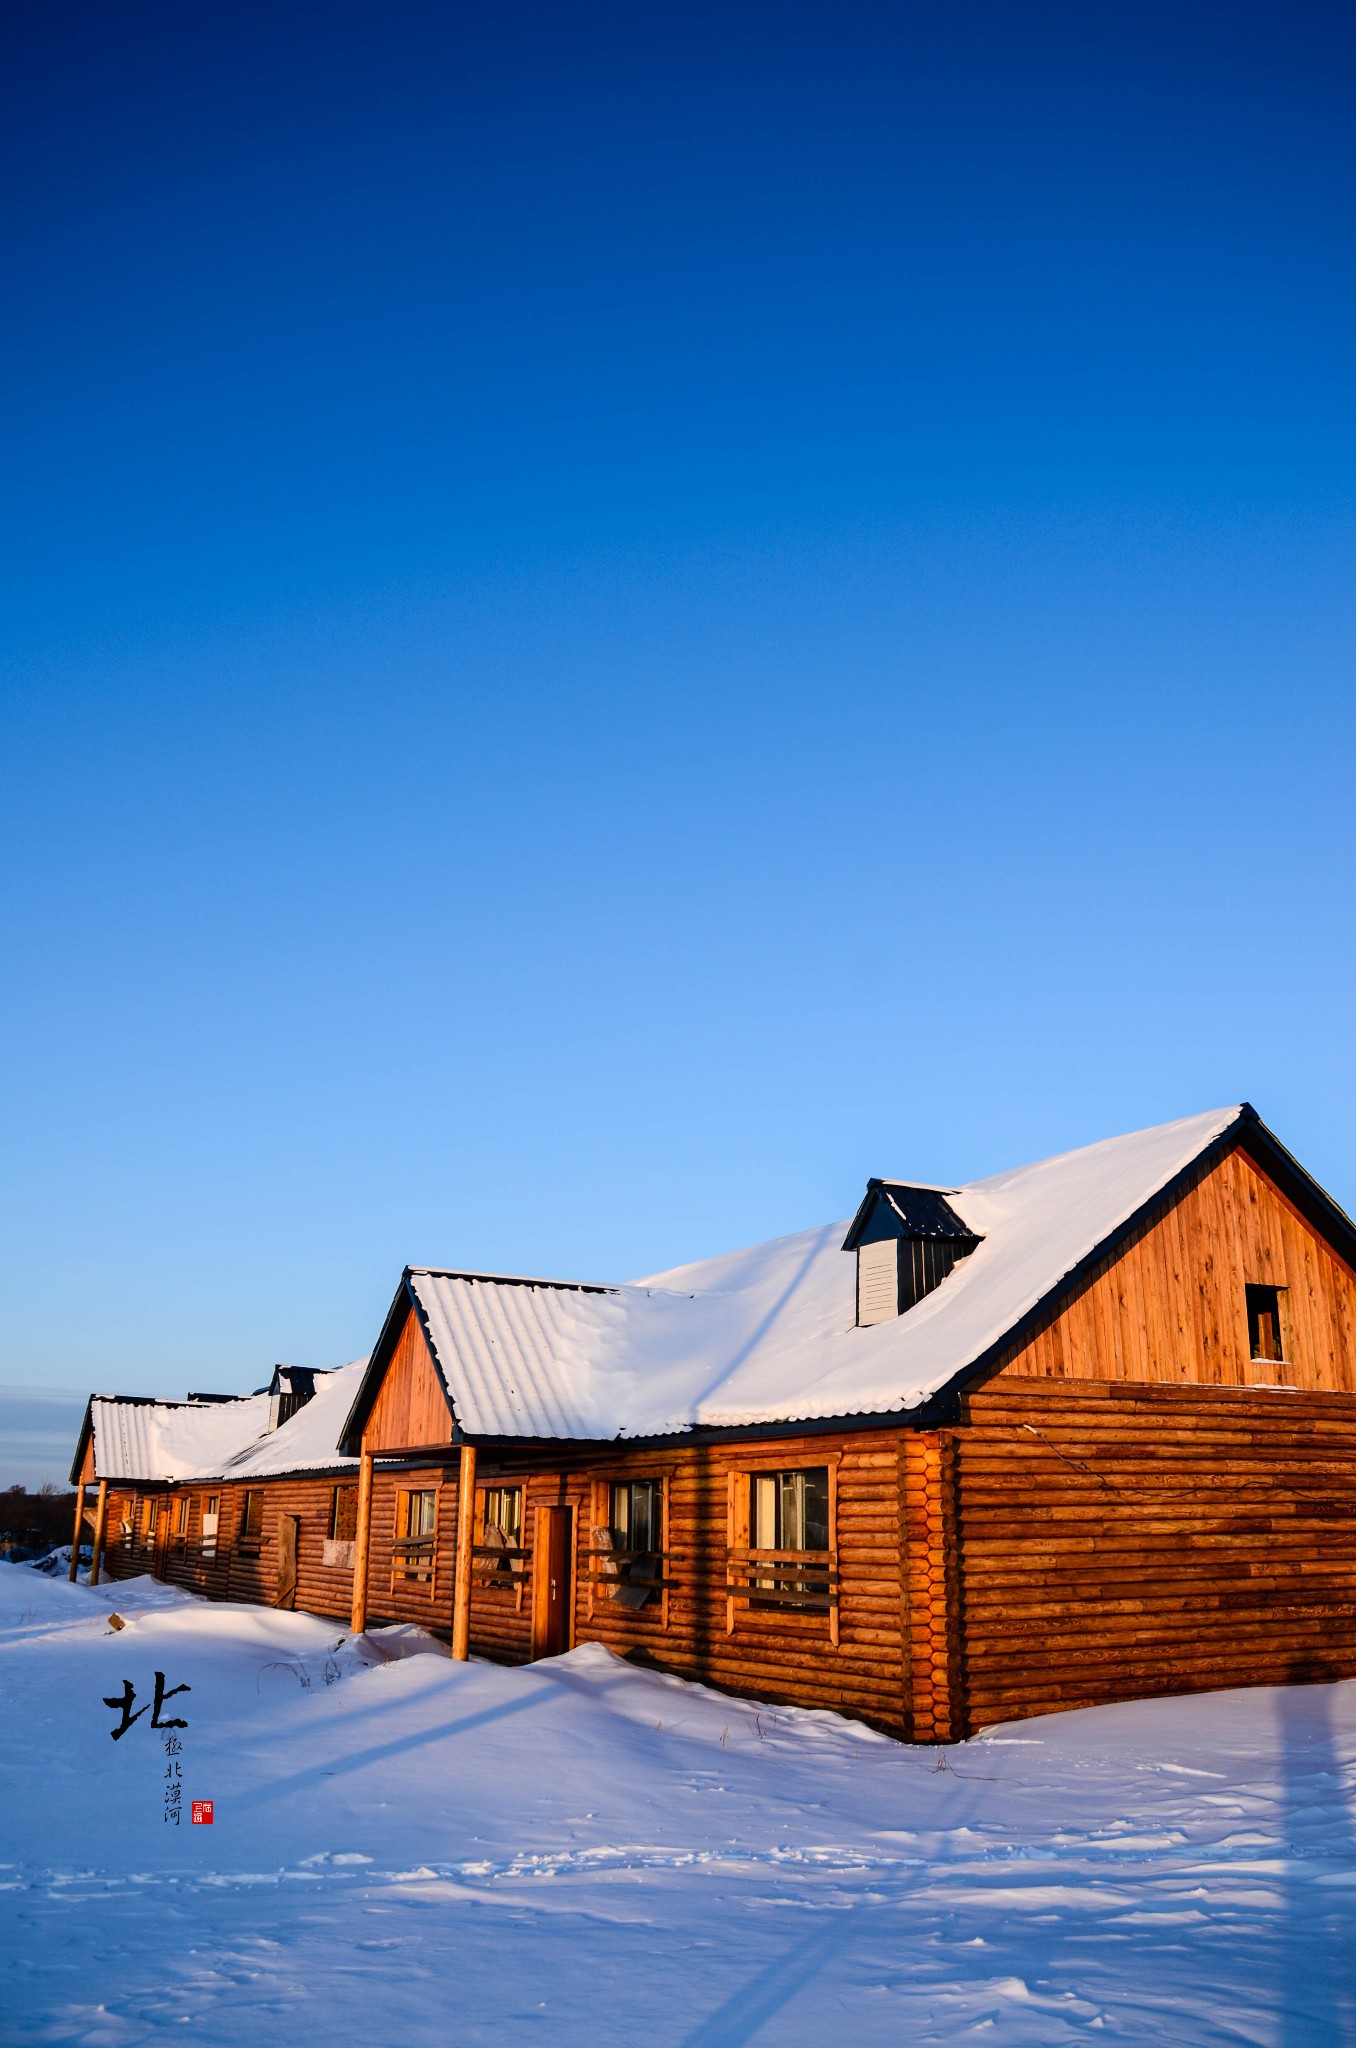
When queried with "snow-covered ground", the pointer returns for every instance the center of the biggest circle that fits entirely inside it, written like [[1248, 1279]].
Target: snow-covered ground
[[409, 1851]]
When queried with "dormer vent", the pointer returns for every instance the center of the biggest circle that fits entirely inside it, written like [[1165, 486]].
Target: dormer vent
[[292, 1387], [906, 1239]]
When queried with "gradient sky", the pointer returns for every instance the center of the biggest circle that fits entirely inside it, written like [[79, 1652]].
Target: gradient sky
[[612, 619]]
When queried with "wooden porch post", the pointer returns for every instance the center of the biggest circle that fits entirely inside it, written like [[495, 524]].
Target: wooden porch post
[[362, 1542], [100, 1519], [466, 1536], [79, 1525]]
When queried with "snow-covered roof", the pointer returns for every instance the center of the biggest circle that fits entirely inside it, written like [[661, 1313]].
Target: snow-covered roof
[[306, 1441], [162, 1442], [769, 1334], [168, 1440]]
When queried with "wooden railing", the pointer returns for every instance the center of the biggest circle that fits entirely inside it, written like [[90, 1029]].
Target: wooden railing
[[412, 1560], [630, 1581], [500, 1564], [613, 1568], [803, 1580]]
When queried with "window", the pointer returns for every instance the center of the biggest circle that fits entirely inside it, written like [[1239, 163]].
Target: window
[[789, 1517], [339, 1551], [209, 1525], [344, 1515], [148, 1508], [499, 1561], [414, 1548], [790, 1510], [498, 1557], [504, 1512], [252, 1523], [783, 1545], [1266, 1342], [637, 1515], [627, 1554], [181, 1506]]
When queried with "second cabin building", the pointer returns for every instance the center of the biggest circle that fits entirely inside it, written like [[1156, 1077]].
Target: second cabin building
[[1084, 1431]]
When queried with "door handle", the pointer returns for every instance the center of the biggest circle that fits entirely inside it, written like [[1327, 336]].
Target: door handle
[[553, 1589]]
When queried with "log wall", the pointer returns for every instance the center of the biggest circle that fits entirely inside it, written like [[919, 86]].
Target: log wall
[[1070, 1545], [768, 1653], [774, 1654], [1120, 1542]]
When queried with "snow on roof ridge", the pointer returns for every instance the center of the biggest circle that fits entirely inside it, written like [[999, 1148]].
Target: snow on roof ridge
[[514, 1279], [1227, 1114]]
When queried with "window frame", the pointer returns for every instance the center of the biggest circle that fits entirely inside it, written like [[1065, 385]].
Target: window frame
[[766, 1609], [506, 1567], [654, 1613], [251, 1534], [1278, 1309], [343, 1490], [407, 1562], [209, 1540]]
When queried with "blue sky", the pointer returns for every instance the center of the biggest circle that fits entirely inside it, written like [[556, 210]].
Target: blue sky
[[614, 619]]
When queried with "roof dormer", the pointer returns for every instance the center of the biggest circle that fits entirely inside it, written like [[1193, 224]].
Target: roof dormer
[[292, 1386], [906, 1239]]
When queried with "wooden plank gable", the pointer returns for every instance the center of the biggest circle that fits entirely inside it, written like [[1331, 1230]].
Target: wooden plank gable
[[1170, 1308], [411, 1410]]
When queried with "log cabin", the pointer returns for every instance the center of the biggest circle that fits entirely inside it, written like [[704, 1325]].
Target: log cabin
[[234, 1497], [1080, 1432]]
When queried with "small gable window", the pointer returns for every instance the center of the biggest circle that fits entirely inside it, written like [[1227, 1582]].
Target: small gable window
[[1266, 1337], [907, 1240]]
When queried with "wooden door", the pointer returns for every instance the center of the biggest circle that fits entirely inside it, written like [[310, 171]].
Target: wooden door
[[553, 1582], [289, 1530], [162, 1529]]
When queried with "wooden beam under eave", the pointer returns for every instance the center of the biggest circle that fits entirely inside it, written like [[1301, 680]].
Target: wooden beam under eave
[[362, 1541], [466, 1536], [100, 1522]]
